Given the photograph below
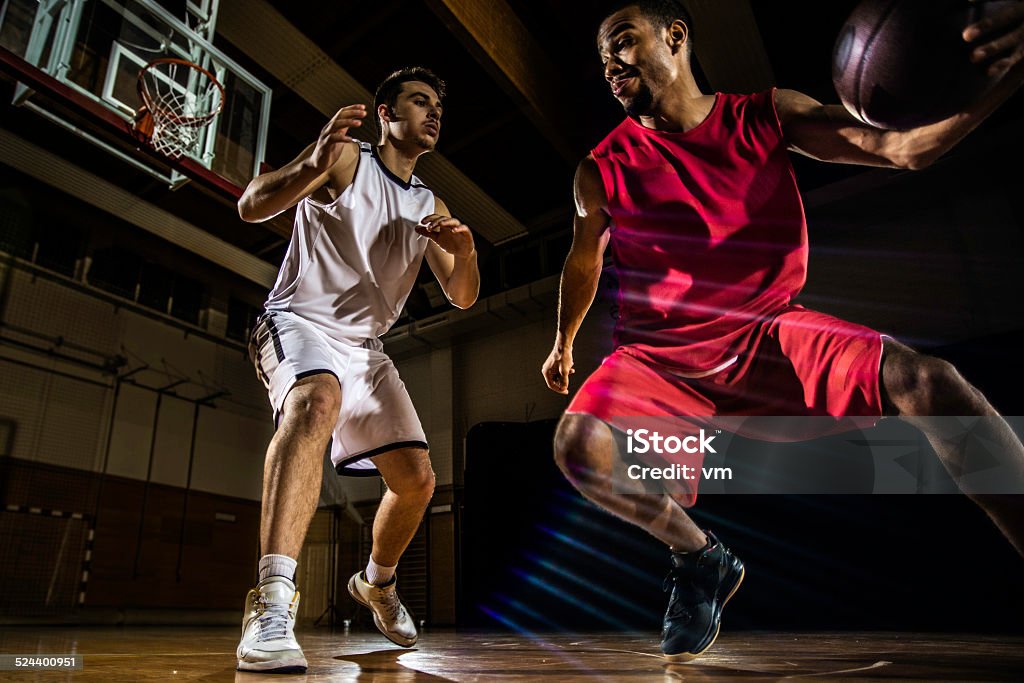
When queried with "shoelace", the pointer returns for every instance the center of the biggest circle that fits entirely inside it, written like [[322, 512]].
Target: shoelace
[[273, 619], [392, 604], [686, 581]]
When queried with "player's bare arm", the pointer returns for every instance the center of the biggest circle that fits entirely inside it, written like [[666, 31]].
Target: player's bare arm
[[331, 161], [581, 272], [451, 255], [831, 133]]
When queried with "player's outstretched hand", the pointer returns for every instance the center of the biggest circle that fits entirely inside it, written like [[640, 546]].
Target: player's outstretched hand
[[998, 40], [557, 368], [334, 136], [451, 234]]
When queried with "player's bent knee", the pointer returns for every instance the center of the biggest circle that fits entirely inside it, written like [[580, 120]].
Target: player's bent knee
[[577, 439], [931, 386], [313, 407], [416, 480], [424, 483]]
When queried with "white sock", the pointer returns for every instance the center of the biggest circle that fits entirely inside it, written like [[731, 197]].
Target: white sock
[[378, 575], [277, 565]]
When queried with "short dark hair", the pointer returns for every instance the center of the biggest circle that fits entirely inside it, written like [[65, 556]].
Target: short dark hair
[[661, 13], [389, 89]]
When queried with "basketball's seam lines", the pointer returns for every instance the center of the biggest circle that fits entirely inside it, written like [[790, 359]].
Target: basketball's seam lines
[[864, 59]]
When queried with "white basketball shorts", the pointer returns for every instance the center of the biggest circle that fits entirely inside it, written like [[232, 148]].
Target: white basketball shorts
[[376, 414]]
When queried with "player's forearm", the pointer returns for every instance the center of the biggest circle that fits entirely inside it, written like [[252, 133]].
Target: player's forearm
[[464, 282], [576, 293], [271, 193], [922, 146]]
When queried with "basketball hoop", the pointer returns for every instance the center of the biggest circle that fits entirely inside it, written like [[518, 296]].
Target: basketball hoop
[[179, 99]]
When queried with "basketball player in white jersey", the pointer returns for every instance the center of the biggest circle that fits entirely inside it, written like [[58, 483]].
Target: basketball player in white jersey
[[363, 225]]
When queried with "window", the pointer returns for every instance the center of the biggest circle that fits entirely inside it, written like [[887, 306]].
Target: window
[[115, 270], [187, 299], [15, 224], [60, 247], [155, 287]]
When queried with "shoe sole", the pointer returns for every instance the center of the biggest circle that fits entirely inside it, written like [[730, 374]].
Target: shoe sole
[[397, 640], [284, 666], [690, 656]]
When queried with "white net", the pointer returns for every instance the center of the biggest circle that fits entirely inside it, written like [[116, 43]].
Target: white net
[[182, 99]]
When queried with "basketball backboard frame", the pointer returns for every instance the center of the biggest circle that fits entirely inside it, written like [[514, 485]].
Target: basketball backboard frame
[[64, 34]]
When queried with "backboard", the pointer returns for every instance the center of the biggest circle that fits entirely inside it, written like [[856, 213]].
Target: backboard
[[85, 56]]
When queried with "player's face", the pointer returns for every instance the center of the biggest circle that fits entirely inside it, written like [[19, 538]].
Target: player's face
[[637, 60], [417, 112]]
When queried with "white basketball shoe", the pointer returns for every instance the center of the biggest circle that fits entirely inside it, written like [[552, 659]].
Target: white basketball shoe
[[389, 614], [268, 642]]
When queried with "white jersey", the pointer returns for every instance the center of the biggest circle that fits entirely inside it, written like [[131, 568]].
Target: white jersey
[[351, 263]]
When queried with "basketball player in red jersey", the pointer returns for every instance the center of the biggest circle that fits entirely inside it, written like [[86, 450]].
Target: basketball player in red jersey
[[695, 195]]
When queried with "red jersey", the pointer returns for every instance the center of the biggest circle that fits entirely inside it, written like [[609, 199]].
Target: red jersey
[[708, 233]]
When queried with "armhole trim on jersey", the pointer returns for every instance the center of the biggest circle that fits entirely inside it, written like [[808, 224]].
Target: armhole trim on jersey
[[321, 205], [607, 182], [774, 114]]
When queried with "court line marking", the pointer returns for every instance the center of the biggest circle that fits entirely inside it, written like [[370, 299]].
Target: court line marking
[[876, 665], [629, 652]]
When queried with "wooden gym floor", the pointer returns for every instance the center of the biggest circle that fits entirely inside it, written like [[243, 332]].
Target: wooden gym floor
[[207, 654]]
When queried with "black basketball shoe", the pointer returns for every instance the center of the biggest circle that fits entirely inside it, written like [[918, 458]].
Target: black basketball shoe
[[701, 583]]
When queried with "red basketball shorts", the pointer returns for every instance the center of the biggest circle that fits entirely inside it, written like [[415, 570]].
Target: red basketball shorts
[[800, 363]]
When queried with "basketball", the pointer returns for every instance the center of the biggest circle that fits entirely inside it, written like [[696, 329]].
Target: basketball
[[900, 64]]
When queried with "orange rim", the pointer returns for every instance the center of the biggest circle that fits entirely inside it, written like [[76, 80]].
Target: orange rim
[[155, 106]]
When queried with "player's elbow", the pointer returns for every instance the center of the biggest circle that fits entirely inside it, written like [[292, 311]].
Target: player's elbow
[[916, 162], [906, 152], [250, 207], [465, 301], [247, 210]]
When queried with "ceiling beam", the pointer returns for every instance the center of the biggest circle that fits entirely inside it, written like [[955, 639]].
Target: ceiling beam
[[503, 46], [728, 46], [61, 174]]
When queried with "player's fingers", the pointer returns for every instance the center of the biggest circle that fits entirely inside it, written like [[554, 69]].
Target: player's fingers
[[1001, 67], [557, 384], [426, 232], [351, 108], [999, 47], [446, 222], [343, 123], [551, 374], [343, 113], [1002, 20]]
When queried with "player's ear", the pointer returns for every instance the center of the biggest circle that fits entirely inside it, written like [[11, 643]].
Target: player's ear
[[385, 113], [677, 34]]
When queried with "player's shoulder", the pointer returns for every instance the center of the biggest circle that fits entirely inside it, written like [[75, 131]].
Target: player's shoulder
[[343, 172], [440, 207], [587, 169], [588, 184]]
